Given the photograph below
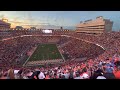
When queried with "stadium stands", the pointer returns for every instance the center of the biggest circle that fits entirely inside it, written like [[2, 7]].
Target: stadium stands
[[101, 63]]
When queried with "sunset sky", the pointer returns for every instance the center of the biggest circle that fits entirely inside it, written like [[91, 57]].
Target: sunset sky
[[58, 18]]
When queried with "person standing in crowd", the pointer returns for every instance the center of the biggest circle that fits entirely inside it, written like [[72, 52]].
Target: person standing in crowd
[[11, 74], [84, 74], [117, 73], [101, 76]]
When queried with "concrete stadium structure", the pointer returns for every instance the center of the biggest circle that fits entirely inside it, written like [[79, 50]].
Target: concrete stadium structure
[[99, 25]]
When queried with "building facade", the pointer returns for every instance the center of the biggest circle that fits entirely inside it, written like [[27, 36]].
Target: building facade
[[99, 25], [4, 25]]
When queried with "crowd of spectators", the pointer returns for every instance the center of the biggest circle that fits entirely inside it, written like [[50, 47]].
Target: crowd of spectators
[[12, 50], [91, 69], [103, 64], [80, 49], [109, 41]]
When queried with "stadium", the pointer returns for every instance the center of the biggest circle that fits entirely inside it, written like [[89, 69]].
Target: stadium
[[59, 54]]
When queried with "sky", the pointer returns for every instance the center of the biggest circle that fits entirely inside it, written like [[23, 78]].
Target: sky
[[58, 18]]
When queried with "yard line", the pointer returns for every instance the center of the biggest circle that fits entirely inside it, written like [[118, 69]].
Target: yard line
[[29, 56]]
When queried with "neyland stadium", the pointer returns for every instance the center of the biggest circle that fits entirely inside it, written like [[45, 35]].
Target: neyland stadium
[[69, 45], [92, 40], [62, 42]]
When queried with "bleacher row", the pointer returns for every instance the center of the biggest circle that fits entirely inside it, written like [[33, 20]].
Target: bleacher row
[[41, 62]]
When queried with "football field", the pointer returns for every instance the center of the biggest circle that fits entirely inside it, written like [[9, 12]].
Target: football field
[[45, 52]]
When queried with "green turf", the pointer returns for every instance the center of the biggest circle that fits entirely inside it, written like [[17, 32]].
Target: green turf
[[46, 52]]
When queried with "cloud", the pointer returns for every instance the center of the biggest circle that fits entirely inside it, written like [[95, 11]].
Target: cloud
[[2, 15]]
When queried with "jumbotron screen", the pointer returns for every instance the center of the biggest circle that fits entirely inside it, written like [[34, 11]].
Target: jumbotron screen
[[47, 31]]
